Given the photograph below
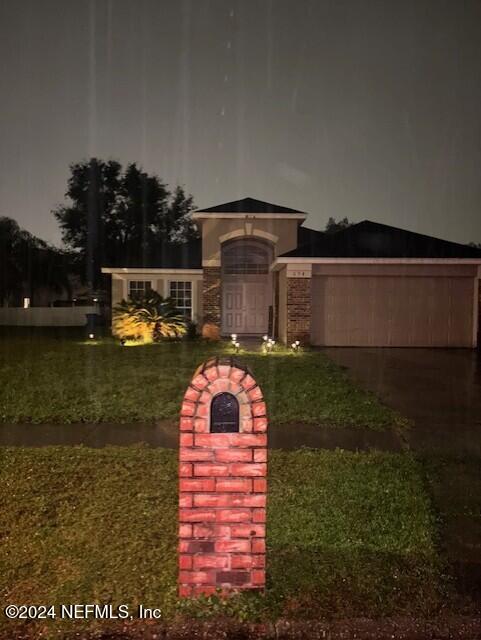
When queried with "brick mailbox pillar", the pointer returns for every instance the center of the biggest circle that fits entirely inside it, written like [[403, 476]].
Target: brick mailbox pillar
[[222, 486]]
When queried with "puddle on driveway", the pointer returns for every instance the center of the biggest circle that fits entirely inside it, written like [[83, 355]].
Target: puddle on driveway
[[166, 433]]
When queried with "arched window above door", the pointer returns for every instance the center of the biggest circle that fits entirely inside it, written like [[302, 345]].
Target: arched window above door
[[244, 257]]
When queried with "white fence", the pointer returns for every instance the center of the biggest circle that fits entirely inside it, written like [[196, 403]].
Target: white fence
[[45, 316]]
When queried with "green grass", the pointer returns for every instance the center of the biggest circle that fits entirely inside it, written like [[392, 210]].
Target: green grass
[[47, 378], [348, 534]]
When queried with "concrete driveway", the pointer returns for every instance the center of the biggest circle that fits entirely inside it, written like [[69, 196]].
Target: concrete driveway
[[438, 389]]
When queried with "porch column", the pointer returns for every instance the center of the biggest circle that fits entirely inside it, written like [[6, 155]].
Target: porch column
[[299, 303], [211, 295]]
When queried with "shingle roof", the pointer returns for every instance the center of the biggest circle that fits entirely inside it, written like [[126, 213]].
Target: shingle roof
[[248, 205], [308, 237], [183, 256], [373, 240], [168, 256]]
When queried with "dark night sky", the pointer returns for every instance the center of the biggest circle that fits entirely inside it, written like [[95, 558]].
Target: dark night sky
[[360, 108]]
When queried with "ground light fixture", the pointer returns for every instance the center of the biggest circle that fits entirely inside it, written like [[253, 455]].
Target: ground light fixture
[[268, 344], [235, 344], [91, 336], [296, 346]]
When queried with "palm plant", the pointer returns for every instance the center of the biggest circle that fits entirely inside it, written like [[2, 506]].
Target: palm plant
[[148, 318]]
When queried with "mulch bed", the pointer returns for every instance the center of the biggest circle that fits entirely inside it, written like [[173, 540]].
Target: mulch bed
[[451, 628]]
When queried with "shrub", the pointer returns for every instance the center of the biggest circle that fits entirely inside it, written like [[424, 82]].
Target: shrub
[[147, 319]]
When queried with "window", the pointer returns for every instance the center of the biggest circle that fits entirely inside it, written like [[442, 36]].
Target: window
[[181, 294], [246, 268], [139, 287], [245, 258]]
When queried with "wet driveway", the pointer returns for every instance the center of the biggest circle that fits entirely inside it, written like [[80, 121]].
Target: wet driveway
[[438, 389]]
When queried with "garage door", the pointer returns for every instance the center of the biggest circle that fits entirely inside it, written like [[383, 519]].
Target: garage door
[[392, 311]]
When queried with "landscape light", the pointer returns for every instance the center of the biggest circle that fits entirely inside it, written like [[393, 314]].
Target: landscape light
[[268, 345], [96, 299], [91, 336], [237, 346], [265, 338], [26, 303]]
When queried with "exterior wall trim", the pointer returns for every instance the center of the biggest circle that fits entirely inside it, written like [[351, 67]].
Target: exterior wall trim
[[280, 261], [243, 233], [130, 270]]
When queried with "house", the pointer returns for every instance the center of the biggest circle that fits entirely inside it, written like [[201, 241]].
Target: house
[[257, 269]]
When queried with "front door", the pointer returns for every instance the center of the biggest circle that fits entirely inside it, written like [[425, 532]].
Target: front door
[[245, 307]]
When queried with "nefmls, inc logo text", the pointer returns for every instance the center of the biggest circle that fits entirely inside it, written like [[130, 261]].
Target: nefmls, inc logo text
[[106, 612], [97, 611], [79, 612]]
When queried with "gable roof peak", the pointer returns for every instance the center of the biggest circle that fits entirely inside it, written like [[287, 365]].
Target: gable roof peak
[[248, 205]]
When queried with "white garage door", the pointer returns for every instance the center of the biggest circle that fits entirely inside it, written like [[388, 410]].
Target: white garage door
[[392, 311]]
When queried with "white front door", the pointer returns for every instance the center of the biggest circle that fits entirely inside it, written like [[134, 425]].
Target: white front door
[[232, 308], [245, 308]]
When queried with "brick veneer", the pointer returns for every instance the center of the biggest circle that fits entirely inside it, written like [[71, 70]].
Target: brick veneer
[[298, 310], [211, 295], [222, 485]]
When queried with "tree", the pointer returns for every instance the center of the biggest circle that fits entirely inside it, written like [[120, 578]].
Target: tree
[[120, 217], [28, 264], [332, 226], [476, 245]]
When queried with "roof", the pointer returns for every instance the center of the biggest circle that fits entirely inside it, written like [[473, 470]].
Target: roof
[[373, 240], [187, 255], [308, 237], [183, 256], [248, 205]]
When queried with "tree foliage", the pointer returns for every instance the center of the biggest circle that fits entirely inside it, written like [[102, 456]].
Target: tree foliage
[[121, 217], [28, 264], [148, 318], [332, 226]]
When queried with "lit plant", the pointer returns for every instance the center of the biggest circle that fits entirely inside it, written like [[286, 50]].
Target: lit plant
[[147, 319]]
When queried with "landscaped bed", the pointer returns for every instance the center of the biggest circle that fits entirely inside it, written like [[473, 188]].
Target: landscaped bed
[[348, 534], [47, 378]]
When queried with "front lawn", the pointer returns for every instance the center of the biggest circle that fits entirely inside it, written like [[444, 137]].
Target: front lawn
[[44, 378], [348, 534]]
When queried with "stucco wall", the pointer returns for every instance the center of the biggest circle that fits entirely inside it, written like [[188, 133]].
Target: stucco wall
[[402, 269], [285, 232]]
